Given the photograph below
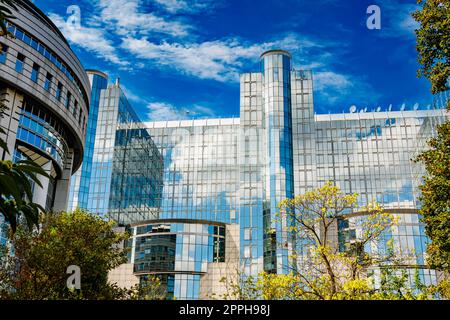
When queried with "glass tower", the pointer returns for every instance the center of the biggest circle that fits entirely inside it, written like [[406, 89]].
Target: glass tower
[[79, 184], [222, 180], [126, 174], [276, 98], [198, 218]]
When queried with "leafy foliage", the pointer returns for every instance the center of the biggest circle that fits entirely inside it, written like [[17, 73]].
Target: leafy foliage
[[319, 270], [435, 198], [265, 286], [433, 42], [37, 270], [239, 287], [433, 46], [150, 288], [324, 271]]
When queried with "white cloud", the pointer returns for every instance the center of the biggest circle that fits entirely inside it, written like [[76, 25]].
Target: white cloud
[[328, 79], [126, 17], [160, 111], [408, 24], [122, 24], [90, 39], [223, 60], [220, 60], [183, 6], [335, 88], [122, 33], [202, 111], [217, 60]]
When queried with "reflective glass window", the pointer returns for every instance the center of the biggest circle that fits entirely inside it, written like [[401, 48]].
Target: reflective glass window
[[3, 52], [48, 82], [19, 62], [35, 72], [59, 91]]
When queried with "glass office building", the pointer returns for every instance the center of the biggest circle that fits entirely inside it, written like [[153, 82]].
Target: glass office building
[[125, 179], [197, 227], [122, 171], [79, 183], [223, 179], [136, 180]]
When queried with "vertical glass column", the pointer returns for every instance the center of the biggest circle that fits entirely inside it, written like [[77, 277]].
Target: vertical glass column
[[79, 183], [276, 74]]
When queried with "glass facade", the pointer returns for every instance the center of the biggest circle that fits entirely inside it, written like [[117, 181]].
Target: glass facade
[[276, 100], [19, 62], [199, 195], [408, 237], [235, 171], [41, 130], [3, 51], [125, 177], [79, 184], [440, 99], [371, 154], [179, 251], [136, 182], [200, 170]]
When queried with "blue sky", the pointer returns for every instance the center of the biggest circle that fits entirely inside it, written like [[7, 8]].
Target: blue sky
[[178, 55]]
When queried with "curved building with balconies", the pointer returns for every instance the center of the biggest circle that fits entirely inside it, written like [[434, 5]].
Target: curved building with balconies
[[46, 91]]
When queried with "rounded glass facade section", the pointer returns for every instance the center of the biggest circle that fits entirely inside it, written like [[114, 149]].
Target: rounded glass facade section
[[41, 130], [179, 250], [181, 247]]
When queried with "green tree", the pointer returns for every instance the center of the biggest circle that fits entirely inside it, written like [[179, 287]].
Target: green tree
[[267, 286], [435, 198], [320, 271], [37, 270], [433, 42], [150, 288], [433, 46]]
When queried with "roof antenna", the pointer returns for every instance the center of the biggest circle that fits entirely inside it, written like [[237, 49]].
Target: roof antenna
[[118, 81]]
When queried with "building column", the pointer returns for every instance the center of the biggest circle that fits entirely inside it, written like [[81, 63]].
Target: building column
[[40, 193], [63, 184]]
